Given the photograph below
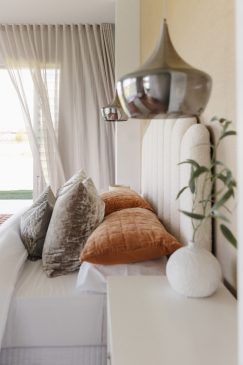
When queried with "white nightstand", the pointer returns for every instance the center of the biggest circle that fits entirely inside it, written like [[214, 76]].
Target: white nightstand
[[150, 324]]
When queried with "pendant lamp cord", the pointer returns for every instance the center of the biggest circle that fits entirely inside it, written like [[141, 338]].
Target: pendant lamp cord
[[165, 9]]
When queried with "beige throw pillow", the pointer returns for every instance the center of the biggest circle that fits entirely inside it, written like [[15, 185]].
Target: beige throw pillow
[[78, 211], [34, 224], [129, 235], [122, 199]]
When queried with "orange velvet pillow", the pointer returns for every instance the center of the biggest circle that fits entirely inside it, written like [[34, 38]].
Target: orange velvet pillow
[[128, 235], [122, 199]]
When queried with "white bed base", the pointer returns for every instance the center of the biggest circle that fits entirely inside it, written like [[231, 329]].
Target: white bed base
[[166, 143], [85, 355]]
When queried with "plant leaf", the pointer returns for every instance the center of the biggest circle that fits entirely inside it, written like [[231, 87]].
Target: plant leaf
[[223, 200], [192, 162], [222, 120], [214, 119], [226, 177], [218, 215], [234, 183], [229, 133], [193, 215], [226, 125], [200, 170], [181, 191], [192, 185], [223, 178], [195, 173], [228, 235], [217, 162]]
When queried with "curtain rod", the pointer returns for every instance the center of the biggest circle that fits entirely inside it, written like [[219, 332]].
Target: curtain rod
[[53, 25]]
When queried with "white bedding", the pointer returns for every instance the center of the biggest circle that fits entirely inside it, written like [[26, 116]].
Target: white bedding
[[12, 257], [41, 312], [88, 355], [93, 278], [52, 312]]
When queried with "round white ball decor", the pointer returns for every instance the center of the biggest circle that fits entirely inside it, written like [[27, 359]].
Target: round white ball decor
[[193, 271]]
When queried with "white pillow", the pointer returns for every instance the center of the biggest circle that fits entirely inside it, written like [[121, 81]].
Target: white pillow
[[93, 278]]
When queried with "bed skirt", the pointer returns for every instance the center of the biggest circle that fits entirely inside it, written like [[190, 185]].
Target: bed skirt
[[85, 355]]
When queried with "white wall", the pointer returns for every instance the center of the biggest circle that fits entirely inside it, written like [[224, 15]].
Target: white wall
[[128, 134], [203, 33], [239, 73], [57, 11]]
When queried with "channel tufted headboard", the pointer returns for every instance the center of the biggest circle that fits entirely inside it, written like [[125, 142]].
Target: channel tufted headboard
[[165, 144]]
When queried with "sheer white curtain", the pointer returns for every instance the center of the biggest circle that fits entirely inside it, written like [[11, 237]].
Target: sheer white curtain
[[72, 71], [88, 83]]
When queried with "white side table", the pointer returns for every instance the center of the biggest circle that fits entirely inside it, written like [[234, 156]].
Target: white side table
[[150, 324]]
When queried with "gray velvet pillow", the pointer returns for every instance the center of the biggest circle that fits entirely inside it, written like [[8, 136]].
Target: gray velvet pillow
[[78, 211], [34, 224]]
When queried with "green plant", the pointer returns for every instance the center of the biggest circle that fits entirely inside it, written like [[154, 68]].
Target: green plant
[[223, 186]]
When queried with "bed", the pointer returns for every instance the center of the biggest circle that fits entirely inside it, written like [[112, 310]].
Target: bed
[[48, 321]]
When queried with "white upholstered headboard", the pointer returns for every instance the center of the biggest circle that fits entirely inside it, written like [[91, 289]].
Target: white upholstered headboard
[[166, 143]]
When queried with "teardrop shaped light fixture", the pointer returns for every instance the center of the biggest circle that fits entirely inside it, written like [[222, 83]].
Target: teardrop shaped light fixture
[[114, 112], [165, 85]]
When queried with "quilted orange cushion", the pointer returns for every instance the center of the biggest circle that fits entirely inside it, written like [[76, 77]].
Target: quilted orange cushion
[[128, 235], [121, 199]]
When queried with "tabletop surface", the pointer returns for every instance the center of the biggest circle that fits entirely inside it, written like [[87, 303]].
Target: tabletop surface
[[149, 321]]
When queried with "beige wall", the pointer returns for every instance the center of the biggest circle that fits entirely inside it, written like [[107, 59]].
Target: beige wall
[[239, 73], [203, 34], [128, 134]]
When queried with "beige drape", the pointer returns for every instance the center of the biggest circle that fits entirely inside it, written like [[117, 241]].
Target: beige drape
[[72, 70]]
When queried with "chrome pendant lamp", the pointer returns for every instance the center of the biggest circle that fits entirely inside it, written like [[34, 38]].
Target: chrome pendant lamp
[[114, 112], [165, 85]]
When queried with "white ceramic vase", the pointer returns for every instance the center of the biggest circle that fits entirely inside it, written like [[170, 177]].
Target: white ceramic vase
[[193, 271]]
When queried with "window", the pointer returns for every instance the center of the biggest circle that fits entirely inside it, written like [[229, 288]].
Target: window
[[16, 161]]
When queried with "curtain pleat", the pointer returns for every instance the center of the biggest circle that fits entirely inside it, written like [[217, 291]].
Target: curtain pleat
[[72, 69]]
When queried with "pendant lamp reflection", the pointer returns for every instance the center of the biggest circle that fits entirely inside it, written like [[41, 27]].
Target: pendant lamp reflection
[[114, 111], [165, 85]]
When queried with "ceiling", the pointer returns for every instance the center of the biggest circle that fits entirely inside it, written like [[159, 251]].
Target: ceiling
[[57, 11]]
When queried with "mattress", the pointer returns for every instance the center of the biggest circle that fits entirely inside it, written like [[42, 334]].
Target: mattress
[[51, 312]]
